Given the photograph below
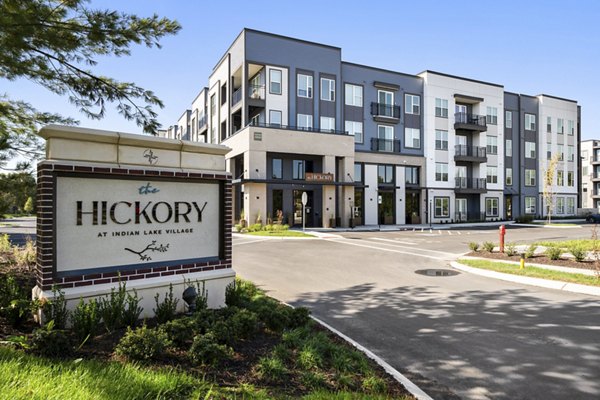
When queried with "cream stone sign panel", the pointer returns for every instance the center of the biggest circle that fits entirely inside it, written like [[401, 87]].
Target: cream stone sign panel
[[128, 223]]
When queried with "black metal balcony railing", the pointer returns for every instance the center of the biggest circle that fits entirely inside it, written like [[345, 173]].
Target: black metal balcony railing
[[297, 128], [201, 122], [385, 145], [469, 216], [236, 97], [385, 110], [470, 183], [461, 150], [256, 92], [470, 119]]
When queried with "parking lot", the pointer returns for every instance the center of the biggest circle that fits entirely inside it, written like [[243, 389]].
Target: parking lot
[[460, 336]]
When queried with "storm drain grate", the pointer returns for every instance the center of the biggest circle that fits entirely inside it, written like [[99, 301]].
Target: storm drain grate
[[437, 272]]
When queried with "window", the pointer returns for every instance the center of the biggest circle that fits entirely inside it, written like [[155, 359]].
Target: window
[[530, 122], [441, 140], [412, 138], [327, 124], [549, 124], [571, 178], [508, 148], [213, 105], [560, 205], [358, 172], [275, 117], [492, 116], [530, 177], [412, 104], [441, 108], [559, 178], [529, 205], [508, 174], [385, 97], [223, 94], [441, 172], [298, 169], [385, 173], [305, 121], [442, 207], [492, 174], [560, 122], [530, 149], [549, 155], [305, 85], [492, 145], [491, 207], [355, 129], [411, 175], [570, 127], [354, 95], [275, 81], [508, 119], [561, 152], [277, 172], [570, 205], [327, 89], [385, 134], [570, 153]]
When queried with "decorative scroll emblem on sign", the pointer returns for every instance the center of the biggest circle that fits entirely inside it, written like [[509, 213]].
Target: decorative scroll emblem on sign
[[149, 154]]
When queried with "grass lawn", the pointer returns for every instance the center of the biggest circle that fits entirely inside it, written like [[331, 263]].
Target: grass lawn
[[532, 272], [586, 244], [279, 234]]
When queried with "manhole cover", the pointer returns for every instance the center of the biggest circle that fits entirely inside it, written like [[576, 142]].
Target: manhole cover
[[437, 272]]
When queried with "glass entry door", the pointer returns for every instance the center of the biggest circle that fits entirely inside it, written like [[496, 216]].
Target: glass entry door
[[461, 209], [298, 208], [386, 208]]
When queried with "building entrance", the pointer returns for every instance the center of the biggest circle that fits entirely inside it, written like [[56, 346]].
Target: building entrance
[[412, 208], [309, 215], [386, 208]]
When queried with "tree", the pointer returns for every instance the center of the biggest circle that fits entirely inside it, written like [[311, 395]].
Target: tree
[[28, 207], [548, 189], [15, 189], [53, 43]]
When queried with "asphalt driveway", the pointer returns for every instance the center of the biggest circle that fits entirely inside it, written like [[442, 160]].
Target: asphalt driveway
[[460, 336]]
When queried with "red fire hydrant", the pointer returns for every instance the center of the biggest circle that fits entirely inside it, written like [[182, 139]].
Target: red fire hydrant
[[502, 233]]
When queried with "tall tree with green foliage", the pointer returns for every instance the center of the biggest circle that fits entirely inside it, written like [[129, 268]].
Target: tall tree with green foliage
[[55, 43], [548, 188], [15, 189]]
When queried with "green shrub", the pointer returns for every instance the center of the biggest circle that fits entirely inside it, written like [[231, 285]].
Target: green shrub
[[344, 381], [202, 299], [299, 317], [578, 252], [244, 324], [25, 256], [49, 342], [309, 358], [180, 331], [15, 305], [530, 252], [474, 246], [374, 384], [510, 249], [282, 352], [524, 219], [313, 379], [271, 369], [488, 246], [223, 332], [239, 293], [554, 252], [17, 312], [276, 318], [295, 338], [167, 309], [142, 344], [112, 307], [204, 320], [255, 227], [85, 319], [238, 227], [56, 309], [132, 310], [206, 350], [5, 246]]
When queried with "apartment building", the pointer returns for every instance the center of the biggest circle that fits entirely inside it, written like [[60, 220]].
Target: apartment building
[[371, 146], [590, 174]]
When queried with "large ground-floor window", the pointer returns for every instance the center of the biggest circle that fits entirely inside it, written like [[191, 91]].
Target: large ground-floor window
[[491, 207], [529, 205], [441, 207]]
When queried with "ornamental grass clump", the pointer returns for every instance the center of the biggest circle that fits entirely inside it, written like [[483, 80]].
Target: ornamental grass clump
[[578, 252], [554, 252], [488, 246], [474, 246]]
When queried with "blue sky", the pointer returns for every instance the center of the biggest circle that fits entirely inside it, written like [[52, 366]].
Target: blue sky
[[530, 47]]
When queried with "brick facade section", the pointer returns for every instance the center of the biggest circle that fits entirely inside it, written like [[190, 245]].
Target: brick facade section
[[45, 228]]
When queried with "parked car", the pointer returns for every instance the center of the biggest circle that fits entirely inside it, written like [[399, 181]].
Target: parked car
[[593, 218]]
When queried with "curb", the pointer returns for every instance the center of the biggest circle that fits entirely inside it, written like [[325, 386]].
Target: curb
[[407, 383], [545, 283], [258, 237], [568, 270]]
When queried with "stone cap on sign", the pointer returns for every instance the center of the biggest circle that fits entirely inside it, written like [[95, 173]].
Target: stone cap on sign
[[99, 146]]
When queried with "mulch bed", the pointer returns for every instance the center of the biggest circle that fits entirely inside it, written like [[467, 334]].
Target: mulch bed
[[539, 259]]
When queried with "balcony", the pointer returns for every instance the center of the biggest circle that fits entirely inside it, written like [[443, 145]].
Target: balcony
[[385, 145], [382, 112], [469, 153], [297, 128], [236, 97], [201, 124], [470, 122], [256, 92], [470, 185], [596, 177], [469, 216]]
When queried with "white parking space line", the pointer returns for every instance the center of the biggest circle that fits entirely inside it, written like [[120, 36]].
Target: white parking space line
[[236, 243], [351, 243], [394, 244], [396, 241]]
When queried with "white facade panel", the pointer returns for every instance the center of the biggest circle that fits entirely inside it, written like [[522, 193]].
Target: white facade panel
[[371, 193]]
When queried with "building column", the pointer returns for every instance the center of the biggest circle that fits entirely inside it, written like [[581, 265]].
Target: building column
[[400, 196], [328, 193]]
